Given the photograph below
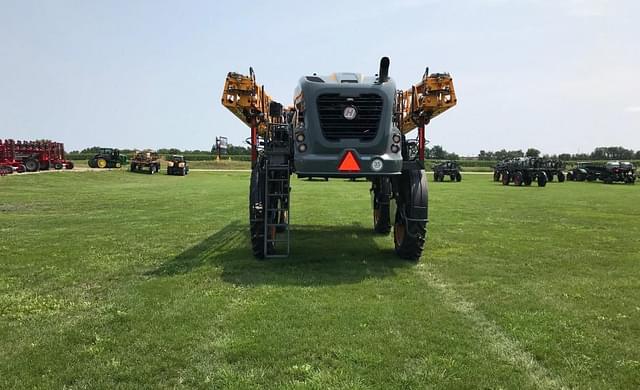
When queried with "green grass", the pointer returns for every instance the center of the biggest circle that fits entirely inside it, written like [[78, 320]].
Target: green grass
[[112, 279]]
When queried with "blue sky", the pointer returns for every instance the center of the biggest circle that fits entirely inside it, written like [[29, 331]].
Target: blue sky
[[561, 76]]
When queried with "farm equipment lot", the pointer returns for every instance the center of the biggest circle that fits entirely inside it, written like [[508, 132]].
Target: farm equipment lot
[[111, 285]]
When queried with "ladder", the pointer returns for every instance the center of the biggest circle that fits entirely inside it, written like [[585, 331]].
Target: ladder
[[276, 209]]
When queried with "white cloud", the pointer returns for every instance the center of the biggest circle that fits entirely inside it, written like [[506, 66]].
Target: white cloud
[[632, 109]]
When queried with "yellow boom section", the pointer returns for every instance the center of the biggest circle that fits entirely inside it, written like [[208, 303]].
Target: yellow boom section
[[429, 98], [247, 100]]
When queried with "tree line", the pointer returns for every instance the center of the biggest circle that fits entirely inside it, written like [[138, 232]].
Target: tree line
[[599, 153], [231, 150]]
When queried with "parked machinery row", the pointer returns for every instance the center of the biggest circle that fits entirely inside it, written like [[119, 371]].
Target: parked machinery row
[[32, 156], [149, 161], [526, 170], [609, 172], [142, 161]]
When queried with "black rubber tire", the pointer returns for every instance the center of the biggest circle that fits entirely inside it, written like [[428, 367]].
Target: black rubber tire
[[57, 166], [496, 176], [549, 176], [69, 165], [561, 177], [570, 176], [32, 165], [381, 191], [409, 236], [506, 178], [518, 179], [435, 176], [542, 179], [458, 177], [527, 179]]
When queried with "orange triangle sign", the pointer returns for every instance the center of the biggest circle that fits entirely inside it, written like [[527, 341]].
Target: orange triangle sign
[[349, 163]]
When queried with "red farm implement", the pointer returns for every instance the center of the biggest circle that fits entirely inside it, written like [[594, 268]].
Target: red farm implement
[[32, 156]]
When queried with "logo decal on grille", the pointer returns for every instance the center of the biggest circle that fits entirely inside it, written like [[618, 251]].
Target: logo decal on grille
[[350, 113]]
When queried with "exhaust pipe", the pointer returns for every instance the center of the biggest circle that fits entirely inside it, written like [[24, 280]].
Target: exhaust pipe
[[383, 74]]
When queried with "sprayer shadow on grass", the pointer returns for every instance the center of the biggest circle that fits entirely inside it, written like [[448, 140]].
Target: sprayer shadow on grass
[[320, 255]]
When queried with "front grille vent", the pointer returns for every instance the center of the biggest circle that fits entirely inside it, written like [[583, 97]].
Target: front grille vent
[[335, 126]]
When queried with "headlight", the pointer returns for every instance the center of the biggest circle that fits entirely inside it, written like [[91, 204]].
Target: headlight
[[302, 148], [170, 163], [396, 138], [300, 137], [395, 148], [181, 165]]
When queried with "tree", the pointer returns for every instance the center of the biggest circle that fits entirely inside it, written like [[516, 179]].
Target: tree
[[611, 153], [501, 154], [486, 156], [91, 150], [532, 152], [516, 153], [437, 153], [171, 151]]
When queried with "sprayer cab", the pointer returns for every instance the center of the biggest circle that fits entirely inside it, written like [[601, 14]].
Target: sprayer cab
[[343, 126]]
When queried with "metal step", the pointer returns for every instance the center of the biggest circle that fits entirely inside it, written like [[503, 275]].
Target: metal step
[[277, 188]]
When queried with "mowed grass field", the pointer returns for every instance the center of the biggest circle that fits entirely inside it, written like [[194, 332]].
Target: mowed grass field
[[120, 280]]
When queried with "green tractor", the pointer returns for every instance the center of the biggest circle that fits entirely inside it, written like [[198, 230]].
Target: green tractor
[[107, 158]]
